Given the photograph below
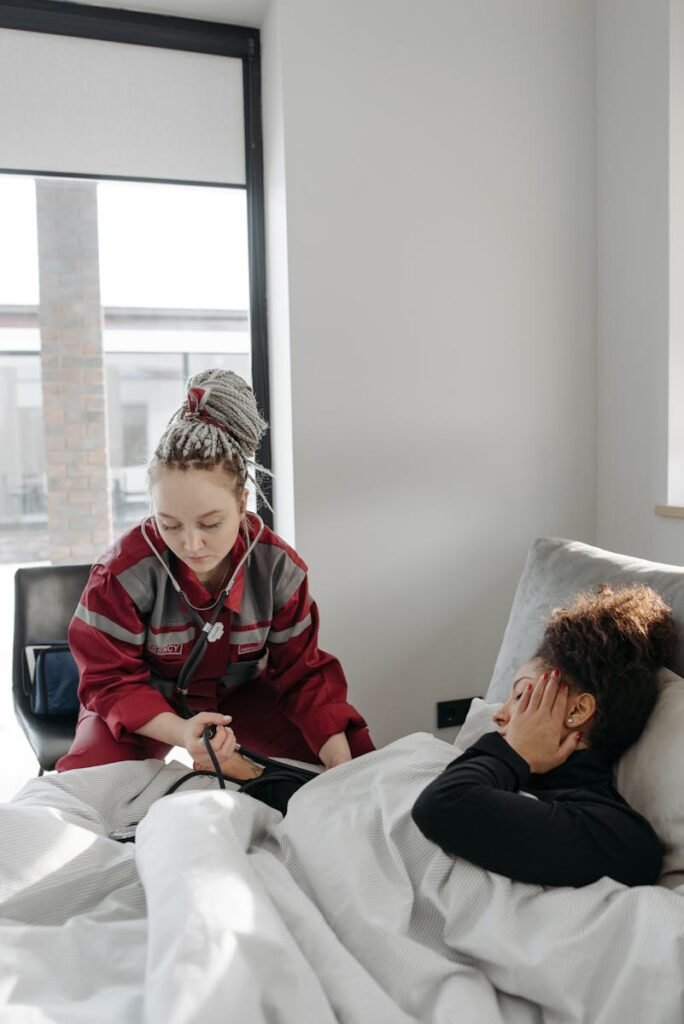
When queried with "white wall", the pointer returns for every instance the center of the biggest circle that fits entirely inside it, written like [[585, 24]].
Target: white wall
[[675, 483], [277, 277], [634, 122], [440, 170]]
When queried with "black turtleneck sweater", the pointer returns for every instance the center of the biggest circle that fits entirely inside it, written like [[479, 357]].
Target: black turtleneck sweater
[[578, 830]]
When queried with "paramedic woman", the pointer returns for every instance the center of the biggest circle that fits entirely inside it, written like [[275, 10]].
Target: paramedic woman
[[148, 597]]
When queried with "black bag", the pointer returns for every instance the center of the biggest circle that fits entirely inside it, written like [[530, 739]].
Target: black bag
[[51, 680]]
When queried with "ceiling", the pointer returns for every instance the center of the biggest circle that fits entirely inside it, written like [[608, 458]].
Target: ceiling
[[231, 12]]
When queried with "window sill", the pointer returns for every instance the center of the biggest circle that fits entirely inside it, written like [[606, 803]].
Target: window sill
[[670, 511]]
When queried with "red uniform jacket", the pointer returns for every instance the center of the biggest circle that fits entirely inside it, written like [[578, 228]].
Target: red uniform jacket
[[132, 625]]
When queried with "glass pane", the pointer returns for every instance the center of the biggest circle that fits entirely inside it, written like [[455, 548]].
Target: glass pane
[[238, 362], [156, 338], [143, 390], [23, 489], [18, 242], [18, 339], [173, 246]]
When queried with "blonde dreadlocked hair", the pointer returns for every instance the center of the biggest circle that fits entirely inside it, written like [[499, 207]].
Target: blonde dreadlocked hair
[[218, 424]]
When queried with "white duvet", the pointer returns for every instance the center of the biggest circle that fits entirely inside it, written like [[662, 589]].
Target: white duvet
[[342, 911]]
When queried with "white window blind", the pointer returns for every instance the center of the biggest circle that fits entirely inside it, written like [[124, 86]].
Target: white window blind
[[84, 106]]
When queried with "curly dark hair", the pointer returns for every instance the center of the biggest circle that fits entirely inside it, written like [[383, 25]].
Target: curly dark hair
[[611, 644]]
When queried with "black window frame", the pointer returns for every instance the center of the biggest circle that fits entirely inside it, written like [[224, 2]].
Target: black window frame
[[55, 17]]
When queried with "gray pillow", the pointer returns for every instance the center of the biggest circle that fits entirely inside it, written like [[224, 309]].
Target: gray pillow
[[556, 570]]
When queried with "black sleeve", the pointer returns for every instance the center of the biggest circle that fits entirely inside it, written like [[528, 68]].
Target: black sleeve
[[474, 810]]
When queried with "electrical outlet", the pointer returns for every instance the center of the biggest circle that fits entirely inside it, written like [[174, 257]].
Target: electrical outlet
[[452, 712]]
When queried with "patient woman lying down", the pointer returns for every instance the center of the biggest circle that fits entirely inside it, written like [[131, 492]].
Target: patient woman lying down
[[581, 701]]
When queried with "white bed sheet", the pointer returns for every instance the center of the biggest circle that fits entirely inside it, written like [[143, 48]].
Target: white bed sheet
[[342, 911]]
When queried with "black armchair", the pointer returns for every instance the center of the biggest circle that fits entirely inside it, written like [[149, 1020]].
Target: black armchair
[[45, 600]]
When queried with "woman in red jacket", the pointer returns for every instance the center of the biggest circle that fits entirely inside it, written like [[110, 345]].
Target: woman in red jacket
[[202, 566]]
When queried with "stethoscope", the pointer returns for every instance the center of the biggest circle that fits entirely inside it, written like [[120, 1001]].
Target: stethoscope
[[210, 629]]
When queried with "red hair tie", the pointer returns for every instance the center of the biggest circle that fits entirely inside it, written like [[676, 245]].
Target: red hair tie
[[197, 398]]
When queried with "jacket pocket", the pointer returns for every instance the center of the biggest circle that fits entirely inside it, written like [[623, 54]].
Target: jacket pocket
[[242, 671]]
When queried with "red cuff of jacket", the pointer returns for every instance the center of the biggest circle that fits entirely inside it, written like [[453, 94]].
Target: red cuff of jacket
[[328, 720], [136, 709]]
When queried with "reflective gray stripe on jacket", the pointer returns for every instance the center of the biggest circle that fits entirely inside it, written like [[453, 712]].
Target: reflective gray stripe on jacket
[[259, 636], [262, 634], [281, 636], [106, 625], [272, 571], [153, 593]]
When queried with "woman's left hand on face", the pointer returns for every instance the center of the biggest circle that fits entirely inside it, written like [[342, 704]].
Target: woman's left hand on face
[[535, 730], [335, 751]]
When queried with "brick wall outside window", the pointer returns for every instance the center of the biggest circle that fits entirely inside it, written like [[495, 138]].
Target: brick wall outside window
[[72, 367]]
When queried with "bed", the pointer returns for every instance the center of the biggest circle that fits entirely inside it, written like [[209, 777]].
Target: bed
[[341, 911]]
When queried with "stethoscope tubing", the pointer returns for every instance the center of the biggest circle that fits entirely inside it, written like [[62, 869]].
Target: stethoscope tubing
[[205, 626], [218, 603], [195, 656]]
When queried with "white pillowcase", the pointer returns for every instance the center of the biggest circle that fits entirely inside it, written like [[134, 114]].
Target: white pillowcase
[[478, 722], [650, 775]]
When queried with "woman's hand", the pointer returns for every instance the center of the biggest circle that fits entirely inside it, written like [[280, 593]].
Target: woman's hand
[[535, 730], [335, 751], [223, 743]]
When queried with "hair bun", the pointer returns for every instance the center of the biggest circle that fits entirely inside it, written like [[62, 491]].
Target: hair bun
[[227, 400], [218, 423]]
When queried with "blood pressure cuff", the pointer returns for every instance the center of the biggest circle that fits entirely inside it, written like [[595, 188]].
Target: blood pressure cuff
[[275, 786], [51, 680], [276, 790]]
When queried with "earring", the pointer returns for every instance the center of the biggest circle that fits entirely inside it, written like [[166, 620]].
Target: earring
[[570, 721]]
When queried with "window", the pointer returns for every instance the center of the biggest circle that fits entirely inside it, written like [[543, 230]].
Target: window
[[131, 256]]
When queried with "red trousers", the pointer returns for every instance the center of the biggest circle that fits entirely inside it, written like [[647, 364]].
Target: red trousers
[[258, 724]]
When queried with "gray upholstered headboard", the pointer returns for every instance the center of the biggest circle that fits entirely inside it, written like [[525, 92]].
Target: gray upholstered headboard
[[557, 569]]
